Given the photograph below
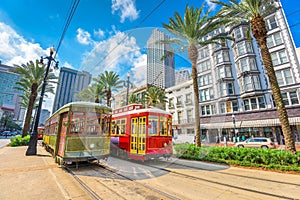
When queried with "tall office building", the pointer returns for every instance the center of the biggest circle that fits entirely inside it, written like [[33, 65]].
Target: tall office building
[[160, 73], [45, 114], [9, 96], [235, 94], [182, 75], [70, 82]]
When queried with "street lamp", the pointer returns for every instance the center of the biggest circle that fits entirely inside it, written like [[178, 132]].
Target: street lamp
[[234, 127], [127, 94], [31, 150]]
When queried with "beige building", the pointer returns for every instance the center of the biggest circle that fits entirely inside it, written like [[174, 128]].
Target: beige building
[[235, 94]]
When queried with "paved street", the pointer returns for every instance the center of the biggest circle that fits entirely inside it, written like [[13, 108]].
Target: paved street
[[4, 142]]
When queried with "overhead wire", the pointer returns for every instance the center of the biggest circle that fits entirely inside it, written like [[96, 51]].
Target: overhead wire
[[67, 23], [127, 35]]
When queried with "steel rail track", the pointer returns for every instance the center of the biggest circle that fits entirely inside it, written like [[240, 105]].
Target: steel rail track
[[225, 184], [107, 168]]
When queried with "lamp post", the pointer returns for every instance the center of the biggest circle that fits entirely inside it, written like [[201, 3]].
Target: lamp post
[[127, 93], [234, 127], [31, 150]]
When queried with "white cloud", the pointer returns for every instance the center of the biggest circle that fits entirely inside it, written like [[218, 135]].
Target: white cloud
[[126, 9], [15, 49], [99, 33], [139, 70], [210, 4], [83, 37], [117, 53], [68, 65]]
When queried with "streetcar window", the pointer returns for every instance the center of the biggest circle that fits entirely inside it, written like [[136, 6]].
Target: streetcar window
[[92, 124], [118, 127], [77, 123], [123, 126], [163, 126], [152, 125]]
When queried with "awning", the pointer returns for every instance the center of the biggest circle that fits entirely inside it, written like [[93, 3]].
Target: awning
[[252, 123]]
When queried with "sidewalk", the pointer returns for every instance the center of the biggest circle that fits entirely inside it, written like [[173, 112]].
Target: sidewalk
[[35, 177]]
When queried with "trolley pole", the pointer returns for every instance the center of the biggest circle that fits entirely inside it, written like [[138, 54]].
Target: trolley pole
[[31, 150], [127, 93]]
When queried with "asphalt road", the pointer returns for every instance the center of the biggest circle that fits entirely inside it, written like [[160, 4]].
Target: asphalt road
[[4, 142]]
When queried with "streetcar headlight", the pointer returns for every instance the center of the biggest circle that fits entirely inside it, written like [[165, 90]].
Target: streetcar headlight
[[92, 145], [165, 145]]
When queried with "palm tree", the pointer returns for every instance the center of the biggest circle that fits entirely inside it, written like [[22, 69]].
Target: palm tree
[[110, 82], [32, 76], [133, 98], [94, 93], [155, 96], [190, 30], [253, 12]]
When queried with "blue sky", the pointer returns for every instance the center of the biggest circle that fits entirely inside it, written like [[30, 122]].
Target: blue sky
[[28, 28]]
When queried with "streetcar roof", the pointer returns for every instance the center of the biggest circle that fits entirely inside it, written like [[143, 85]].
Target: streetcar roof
[[142, 110], [82, 104]]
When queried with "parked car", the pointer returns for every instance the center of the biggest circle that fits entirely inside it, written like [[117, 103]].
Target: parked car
[[6, 133], [257, 142]]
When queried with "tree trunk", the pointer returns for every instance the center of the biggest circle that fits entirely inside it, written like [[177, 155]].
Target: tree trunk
[[193, 56], [30, 106], [108, 96], [260, 33]]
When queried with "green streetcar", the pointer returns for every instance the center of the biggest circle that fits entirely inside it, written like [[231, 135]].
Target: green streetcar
[[78, 131]]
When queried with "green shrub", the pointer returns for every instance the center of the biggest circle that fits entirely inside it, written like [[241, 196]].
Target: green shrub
[[19, 141], [252, 157]]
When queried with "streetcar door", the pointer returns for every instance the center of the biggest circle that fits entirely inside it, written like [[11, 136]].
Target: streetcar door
[[62, 134], [138, 135], [133, 135]]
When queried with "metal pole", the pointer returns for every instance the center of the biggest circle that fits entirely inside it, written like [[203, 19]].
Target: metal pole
[[234, 128], [127, 94], [31, 150]]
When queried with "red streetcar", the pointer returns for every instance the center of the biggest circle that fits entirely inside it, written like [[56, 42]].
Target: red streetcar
[[141, 133], [41, 131]]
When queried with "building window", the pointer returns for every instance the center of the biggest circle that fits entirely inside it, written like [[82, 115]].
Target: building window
[[179, 101], [179, 115], [235, 106], [222, 107], [222, 56], [204, 66], [243, 48], [271, 23], [285, 98], [279, 57], [254, 103], [246, 104], [290, 98], [274, 40], [247, 64], [261, 102], [188, 98], [189, 115], [171, 103], [224, 72], [284, 77], [206, 94], [203, 53], [250, 83], [205, 80], [294, 98], [238, 33], [226, 88], [207, 110]]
